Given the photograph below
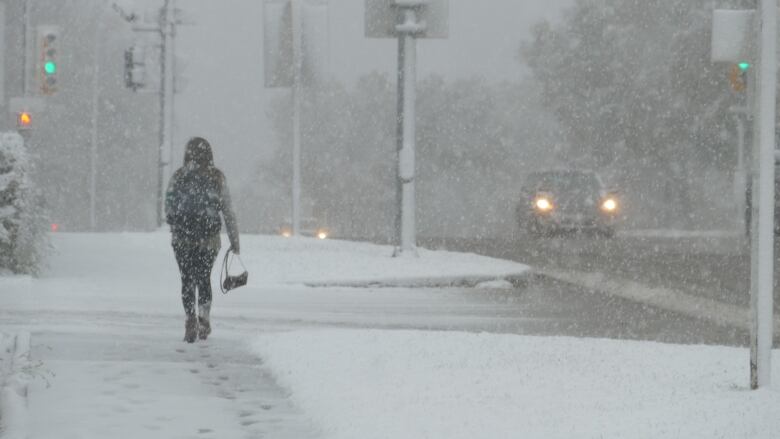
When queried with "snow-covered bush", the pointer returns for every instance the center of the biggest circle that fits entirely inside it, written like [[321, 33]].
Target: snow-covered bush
[[23, 238]]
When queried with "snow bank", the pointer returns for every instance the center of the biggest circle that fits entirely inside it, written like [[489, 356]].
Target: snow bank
[[403, 384], [104, 260], [332, 262]]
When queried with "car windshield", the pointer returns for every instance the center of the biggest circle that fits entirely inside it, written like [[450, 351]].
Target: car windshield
[[564, 181]]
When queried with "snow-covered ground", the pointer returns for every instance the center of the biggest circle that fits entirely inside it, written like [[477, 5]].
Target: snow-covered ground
[[408, 384], [107, 360]]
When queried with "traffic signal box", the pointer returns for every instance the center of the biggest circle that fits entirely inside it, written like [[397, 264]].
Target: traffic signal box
[[24, 121], [738, 76], [48, 62]]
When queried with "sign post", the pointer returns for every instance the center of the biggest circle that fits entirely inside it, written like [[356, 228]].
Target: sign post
[[406, 20]]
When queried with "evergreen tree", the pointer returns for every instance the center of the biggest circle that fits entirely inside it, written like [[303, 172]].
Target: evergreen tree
[[23, 239]]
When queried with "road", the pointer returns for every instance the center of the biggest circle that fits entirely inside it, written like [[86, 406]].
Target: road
[[713, 267]]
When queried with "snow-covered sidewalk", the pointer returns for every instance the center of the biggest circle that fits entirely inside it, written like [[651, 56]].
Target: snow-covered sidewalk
[[410, 384], [106, 325]]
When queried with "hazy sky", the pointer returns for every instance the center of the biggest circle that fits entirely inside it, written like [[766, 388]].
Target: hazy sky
[[222, 63]]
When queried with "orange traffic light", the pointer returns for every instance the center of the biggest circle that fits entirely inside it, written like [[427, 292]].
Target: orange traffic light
[[24, 120]]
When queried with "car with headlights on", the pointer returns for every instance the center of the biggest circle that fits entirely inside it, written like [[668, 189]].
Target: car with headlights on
[[308, 227], [557, 202]]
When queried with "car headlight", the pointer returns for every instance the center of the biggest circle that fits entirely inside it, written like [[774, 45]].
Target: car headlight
[[286, 233], [322, 234], [543, 204], [609, 205]]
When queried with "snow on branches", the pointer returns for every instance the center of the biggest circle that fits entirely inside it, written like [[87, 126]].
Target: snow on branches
[[22, 219]]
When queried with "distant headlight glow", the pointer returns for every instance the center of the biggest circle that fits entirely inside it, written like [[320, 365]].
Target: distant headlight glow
[[322, 234], [543, 204], [609, 205]]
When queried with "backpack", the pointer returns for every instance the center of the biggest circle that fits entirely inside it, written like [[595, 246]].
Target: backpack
[[195, 206]]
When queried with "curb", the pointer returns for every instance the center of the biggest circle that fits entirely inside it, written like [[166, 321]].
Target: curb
[[518, 280], [720, 313], [14, 389]]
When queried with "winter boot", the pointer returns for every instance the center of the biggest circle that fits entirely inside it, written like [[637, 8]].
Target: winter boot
[[190, 329], [204, 326]]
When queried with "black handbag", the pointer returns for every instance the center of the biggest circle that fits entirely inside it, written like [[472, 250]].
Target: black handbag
[[227, 281]]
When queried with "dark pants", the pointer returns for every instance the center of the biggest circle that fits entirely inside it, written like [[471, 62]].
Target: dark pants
[[195, 264]]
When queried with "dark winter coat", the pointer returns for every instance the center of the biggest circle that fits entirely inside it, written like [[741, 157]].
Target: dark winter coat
[[199, 158]]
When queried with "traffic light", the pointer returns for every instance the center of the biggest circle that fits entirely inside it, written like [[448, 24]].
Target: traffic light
[[738, 76], [24, 120], [135, 68], [48, 70]]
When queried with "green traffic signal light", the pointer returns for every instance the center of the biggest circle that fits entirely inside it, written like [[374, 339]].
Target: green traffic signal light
[[50, 67], [744, 66]]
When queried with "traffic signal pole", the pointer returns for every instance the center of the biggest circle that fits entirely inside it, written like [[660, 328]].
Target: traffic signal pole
[[166, 29], [166, 103], [762, 264]]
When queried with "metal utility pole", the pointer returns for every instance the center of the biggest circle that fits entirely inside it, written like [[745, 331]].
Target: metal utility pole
[[740, 174], [286, 65], [399, 135], [166, 102], [407, 30], [166, 28], [744, 36], [95, 110], [25, 49], [297, 90], [406, 20], [762, 238]]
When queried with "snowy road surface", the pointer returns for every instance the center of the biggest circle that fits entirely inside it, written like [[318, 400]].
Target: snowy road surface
[[106, 326]]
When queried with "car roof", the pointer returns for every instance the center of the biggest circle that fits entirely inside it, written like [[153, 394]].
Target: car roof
[[560, 173]]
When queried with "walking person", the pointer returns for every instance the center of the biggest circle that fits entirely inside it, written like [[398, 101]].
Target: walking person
[[197, 195]]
